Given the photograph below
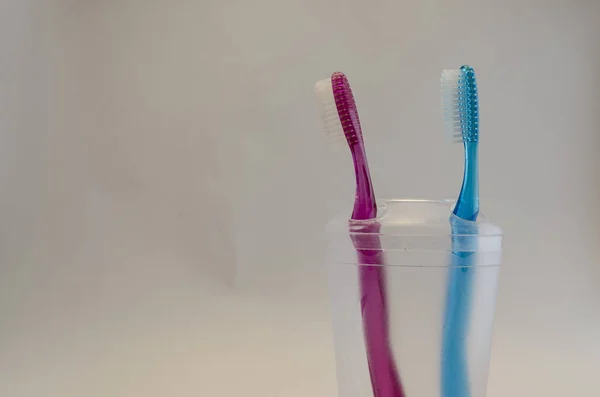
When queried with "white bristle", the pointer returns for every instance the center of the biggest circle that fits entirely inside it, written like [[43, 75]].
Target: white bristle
[[450, 105], [329, 114]]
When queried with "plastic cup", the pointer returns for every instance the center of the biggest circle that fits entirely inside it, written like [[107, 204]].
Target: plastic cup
[[413, 290]]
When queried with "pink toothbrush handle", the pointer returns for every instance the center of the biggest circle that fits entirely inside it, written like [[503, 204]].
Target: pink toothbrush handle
[[385, 379]]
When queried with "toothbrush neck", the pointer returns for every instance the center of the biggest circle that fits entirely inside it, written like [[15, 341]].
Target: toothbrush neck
[[365, 206], [467, 205]]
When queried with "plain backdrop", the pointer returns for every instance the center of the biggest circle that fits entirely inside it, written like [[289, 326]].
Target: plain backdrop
[[164, 184]]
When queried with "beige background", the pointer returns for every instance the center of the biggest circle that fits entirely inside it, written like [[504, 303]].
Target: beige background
[[164, 183]]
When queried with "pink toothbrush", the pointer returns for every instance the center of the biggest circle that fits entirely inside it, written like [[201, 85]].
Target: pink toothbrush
[[340, 119]]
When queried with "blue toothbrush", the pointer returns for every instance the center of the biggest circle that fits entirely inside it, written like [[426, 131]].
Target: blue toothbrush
[[461, 119]]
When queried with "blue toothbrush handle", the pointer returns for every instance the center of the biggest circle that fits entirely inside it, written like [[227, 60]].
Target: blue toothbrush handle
[[455, 376]]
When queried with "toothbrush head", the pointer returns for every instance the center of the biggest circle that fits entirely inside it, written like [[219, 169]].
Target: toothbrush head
[[340, 120], [338, 110], [460, 105]]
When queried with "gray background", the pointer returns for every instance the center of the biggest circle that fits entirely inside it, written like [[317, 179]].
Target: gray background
[[164, 185]]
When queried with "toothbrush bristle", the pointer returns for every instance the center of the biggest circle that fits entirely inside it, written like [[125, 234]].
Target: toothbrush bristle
[[460, 105], [329, 113], [338, 110]]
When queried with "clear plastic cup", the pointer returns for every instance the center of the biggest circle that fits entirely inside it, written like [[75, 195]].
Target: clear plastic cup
[[413, 292]]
